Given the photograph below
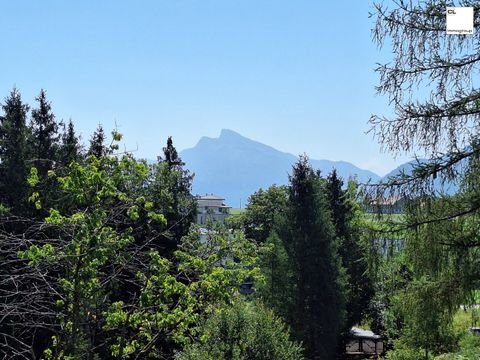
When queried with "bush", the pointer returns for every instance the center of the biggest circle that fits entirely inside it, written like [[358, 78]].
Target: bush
[[402, 351], [245, 330], [469, 349]]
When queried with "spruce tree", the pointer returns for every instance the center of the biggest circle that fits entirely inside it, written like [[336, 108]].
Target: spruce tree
[[345, 212], [97, 143], [70, 149], [45, 135], [309, 238], [14, 151]]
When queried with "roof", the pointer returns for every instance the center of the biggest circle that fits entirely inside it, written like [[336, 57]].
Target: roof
[[364, 334], [210, 197], [390, 200]]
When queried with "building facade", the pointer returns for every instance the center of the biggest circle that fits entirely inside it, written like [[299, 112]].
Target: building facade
[[211, 208]]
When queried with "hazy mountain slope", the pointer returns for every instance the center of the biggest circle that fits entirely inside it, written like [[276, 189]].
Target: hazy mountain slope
[[447, 188], [234, 166]]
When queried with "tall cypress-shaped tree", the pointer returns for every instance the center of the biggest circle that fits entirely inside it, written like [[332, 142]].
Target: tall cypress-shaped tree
[[171, 193], [309, 238], [171, 154], [14, 151]]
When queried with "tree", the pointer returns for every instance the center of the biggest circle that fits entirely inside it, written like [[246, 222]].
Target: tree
[[97, 143], [44, 149], [70, 149], [442, 258], [263, 206], [14, 152], [347, 217], [431, 82], [244, 330], [309, 239], [91, 281], [279, 291], [45, 135], [170, 191], [171, 155]]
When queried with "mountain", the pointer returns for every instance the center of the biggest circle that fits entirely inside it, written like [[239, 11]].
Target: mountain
[[234, 167], [449, 188], [406, 168]]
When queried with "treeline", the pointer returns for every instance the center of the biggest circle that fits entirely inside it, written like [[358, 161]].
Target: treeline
[[80, 230], [101, 258], [317, 275]]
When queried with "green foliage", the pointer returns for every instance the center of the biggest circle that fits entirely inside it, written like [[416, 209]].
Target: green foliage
[[14, 152], [91, 257], [434, 274], [308, 236], [44, 135], [244, 330], [102, 271], [70, 149], [174, 299], [117, 295], [441, 274], [165, 310], [262, 209], [3, 209], [221, 262], [441, 237], [170, 192], [404, 352], [98, 147], [469, 349], [349, 220], [427, 320], [468, 343], [279, 290]]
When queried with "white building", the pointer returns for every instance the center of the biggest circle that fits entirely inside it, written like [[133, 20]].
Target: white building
[[211, 207]]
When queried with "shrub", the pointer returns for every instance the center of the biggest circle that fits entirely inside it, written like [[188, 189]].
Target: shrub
[[244, 330]]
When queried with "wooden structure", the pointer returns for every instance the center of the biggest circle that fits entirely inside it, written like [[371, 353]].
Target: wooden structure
[[363, 344]]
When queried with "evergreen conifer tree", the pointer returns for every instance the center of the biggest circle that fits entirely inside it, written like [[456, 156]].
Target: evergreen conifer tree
[[171, 155], [309, 237], [97, 143], [70, 149], [344, 213], [170, 192], [14, 151], [45, 135]]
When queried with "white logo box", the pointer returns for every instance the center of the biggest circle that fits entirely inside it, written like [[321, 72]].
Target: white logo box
[[460, 20]]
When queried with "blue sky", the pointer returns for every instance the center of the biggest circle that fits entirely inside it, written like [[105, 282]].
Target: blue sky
[[296, 75]]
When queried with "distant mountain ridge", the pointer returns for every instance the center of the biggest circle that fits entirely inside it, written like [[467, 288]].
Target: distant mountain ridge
[[407, 168], [234, 167]]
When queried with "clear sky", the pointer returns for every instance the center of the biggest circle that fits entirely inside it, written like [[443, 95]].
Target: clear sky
[[296, 75]]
